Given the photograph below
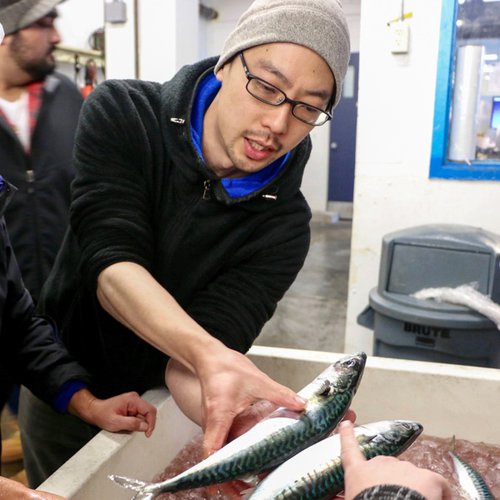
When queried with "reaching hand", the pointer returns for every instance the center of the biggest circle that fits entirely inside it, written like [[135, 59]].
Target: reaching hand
[[125, 412], [360, 473], [229, 386]]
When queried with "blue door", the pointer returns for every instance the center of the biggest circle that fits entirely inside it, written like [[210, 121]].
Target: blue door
[[343, 138]]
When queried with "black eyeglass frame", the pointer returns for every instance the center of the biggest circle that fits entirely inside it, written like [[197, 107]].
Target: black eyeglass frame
[[250, 76]]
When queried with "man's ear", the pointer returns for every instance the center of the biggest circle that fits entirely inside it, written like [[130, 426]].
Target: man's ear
[[220, 74]]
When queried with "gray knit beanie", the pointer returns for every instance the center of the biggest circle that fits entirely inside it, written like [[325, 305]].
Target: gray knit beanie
[[319, 25], [17, 14]]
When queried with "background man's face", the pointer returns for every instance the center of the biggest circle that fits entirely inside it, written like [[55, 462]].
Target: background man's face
[[32, 47]]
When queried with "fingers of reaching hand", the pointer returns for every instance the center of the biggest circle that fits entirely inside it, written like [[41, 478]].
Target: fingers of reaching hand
[[351, 453]]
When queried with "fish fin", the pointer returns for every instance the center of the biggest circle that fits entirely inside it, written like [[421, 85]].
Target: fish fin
[[250, 480], [452, 444], [126, 482], [324, 389]]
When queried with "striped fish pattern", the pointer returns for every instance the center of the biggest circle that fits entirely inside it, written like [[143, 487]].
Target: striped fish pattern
[[317, 472], [470, 481], [274, 439]]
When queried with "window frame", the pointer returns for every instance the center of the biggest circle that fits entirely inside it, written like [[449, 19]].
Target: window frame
[[440, 166]]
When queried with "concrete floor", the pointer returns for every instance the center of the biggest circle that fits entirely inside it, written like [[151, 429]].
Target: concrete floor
[[312, 313]]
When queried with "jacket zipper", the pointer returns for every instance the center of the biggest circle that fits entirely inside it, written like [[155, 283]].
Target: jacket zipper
[[30, 178], [207, 186]]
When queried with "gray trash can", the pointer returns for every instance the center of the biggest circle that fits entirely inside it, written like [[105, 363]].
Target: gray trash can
[[436, 255]]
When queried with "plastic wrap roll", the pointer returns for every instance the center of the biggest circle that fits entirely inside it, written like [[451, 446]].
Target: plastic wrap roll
[[467, 87]]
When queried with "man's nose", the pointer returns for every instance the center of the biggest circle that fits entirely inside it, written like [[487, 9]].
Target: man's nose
[[277, 118], [55, 37]]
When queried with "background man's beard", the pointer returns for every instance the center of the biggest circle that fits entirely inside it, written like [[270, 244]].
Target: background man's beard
[[39, 70]]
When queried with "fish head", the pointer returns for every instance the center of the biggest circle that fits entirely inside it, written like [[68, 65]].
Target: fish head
[[342, 376], [395, 435], [349, 370]]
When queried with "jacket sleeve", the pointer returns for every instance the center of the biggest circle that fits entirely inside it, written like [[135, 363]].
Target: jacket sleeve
[[32, 352], [111, 210], [389, 492]]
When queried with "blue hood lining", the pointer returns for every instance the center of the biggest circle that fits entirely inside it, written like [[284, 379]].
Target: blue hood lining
[[241, 186]]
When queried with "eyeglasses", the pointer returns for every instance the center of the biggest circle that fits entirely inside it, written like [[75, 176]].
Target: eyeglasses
[[265, 92]]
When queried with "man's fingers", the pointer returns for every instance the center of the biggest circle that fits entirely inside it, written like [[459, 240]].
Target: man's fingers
[[351, 453], [282, 396], [350, 415], [216, 431]]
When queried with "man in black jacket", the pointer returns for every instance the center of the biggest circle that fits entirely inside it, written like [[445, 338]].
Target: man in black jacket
[[30, 353], [187, 220]]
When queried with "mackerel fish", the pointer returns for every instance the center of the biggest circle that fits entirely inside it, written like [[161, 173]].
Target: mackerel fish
[[272, 440], [317, 472], [470, 481]]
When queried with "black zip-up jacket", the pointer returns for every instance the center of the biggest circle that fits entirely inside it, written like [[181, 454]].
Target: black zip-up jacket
[[141, 195], [38, 216], [30, 352]]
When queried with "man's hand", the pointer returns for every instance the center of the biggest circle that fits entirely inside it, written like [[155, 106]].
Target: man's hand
[[125, 412], [361, 473], [229, 385]]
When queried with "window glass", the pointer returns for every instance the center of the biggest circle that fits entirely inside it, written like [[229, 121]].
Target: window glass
[[466, 141]]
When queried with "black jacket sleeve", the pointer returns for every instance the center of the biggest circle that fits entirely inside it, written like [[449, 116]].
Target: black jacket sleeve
[[31, 353], [389, 492]]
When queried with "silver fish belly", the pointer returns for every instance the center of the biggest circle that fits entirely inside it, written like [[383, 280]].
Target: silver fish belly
[[317, 472], [470, 480], [274, 439]]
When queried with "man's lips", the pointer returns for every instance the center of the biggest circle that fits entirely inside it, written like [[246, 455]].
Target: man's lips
[[256, 150]]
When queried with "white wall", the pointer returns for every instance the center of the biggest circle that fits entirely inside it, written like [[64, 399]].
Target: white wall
[[78, 19], [395, 120], [168, 37]]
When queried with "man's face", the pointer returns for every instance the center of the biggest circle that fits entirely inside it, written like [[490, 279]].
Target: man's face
[[244, 135], [32, 47]]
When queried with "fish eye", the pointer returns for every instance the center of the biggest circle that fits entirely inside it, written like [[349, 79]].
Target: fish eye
[[350, 363]]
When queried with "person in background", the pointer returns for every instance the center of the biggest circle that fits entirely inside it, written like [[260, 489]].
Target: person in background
[[39, 110], [90, 78], [31, 354]]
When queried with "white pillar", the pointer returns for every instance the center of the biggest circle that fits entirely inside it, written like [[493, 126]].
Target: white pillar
[[120, 46], [168, 33]]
